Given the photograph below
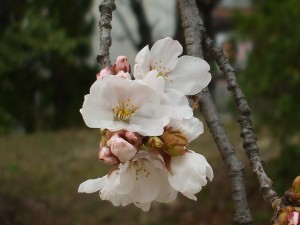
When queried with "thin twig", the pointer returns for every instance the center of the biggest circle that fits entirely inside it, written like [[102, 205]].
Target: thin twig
[[249, 139], [193, 31], [105, 8]]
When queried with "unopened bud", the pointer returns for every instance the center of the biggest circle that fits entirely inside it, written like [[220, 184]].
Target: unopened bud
[[121, 65], [154, 143], [174, 142], [295, 191], [107, 157], [296, 185]]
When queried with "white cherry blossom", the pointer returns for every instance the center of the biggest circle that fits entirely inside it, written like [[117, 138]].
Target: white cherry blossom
[[188, 173], [190, 128], [140, 181], [187, 74], [115, 103]]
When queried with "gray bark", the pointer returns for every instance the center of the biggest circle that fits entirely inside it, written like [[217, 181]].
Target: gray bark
[[194, 31]]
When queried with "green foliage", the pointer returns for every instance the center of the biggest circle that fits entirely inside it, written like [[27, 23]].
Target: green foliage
[[285, 168], [272, 79], [43, 68]]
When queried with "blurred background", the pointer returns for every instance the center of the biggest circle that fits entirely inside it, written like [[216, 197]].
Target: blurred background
[[47, 64]]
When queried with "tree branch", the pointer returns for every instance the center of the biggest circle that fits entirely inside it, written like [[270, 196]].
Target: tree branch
[[244, 112], [105, 8], [194, 34]]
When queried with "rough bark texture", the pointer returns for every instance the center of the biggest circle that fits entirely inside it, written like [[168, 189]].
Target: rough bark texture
[[244, 111], [194, 35], [105, 8]]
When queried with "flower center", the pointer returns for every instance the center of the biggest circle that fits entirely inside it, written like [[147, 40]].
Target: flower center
[[140, 170], [161, 69], [124, 110]]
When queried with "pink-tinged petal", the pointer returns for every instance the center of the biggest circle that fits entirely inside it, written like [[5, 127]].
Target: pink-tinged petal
[[142, 63], [106, 156], [104, 73], [92, 185], [189, 76], [123, 75], [122, 149], [164, 55]]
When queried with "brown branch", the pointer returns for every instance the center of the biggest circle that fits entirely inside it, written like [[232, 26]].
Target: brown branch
[[194, 31], [244, 112], [105, 8]]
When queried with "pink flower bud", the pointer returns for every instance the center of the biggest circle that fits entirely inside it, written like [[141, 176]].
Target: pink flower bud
[[122, 149], [133, 138], [103, 73], [293, 218], [121, 64], [107, 157]]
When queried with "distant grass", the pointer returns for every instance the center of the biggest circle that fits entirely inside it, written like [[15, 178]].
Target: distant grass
[[40, 174]]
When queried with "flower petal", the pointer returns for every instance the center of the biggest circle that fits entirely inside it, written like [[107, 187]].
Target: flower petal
[[193, 169], [164, 54], [190, 128], [142, 60], [150, 120], [189, 76], [92, 185], [178, 103]]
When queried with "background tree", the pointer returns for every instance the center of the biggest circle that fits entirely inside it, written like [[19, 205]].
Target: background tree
[[272, 77], [44, 45]]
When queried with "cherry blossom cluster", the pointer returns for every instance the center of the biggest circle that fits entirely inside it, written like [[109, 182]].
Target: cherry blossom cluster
[[146, 123]]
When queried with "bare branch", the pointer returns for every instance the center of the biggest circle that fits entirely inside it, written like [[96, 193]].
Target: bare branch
[[244, 112], [194, 34], [105, 8]]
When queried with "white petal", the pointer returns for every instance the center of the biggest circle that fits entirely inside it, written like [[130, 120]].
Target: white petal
[[147, 184], [167, 193], [150, 120], [142, 60], [155, 82], [164, 54], [92, 185], [143, 206], [190, 128], [127, 178], [110, 187], [120, 200], [178, 103], [192, 168], [94, 114], [189, 76], [189, 195]]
